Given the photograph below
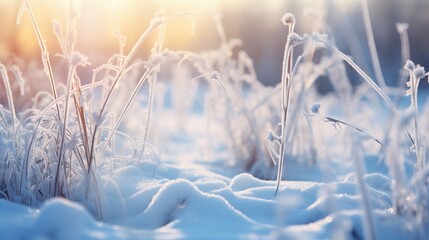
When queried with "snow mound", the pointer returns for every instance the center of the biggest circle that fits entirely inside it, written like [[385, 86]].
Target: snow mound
[[212, 208], [181, 204], [62, 219]]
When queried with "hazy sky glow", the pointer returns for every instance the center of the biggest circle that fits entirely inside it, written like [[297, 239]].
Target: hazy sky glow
[[255, 22], [99, 18]]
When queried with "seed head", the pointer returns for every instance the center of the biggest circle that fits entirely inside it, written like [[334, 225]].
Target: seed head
[[409, 65], [401, 27], [294, 39], [419, 72], [288, 19], [78, 59]]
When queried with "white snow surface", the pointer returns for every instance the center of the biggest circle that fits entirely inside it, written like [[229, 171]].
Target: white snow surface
[[195, 197]]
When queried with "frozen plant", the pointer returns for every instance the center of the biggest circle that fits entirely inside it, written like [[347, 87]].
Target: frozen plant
[[416, 73], [371, 44], [155, 23], [292, 40], [58, 148], [338, 123], [358, 160], [47, 67], [402, 29], [295, 80], [5, 77], [234, 102]]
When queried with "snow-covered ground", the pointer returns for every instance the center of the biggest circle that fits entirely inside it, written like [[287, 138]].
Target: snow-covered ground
[[188, 196], [202, 204]]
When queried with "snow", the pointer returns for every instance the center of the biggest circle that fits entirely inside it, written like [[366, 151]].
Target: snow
[[190, 197], [201, 204]]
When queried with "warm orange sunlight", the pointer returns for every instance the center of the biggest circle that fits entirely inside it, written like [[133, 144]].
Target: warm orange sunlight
[[99, 19], [256, 24]]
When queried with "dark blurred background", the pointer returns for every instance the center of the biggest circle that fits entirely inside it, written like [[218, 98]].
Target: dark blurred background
[[256, 22]]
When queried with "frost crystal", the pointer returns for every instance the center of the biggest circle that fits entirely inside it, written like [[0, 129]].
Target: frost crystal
[[78, 59], [419, 72], [215, 75], [158, 19], [270, 136], [22, 9], [45, 59], [19, 78], [321, 38], [155, 60], [294, 39], [316, 37], [409, 65], [170, 54], [160, 58]]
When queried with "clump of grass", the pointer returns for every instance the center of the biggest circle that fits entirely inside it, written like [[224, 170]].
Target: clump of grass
[[409, 190], [122, 68], [231, 101], [409, 196], [56, 148]]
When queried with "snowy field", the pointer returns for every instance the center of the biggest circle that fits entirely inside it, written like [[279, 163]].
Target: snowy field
[[191, 145], [195, 197]]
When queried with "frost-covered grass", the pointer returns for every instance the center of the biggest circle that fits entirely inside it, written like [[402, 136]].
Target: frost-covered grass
[[243, 160], [55, 150]]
